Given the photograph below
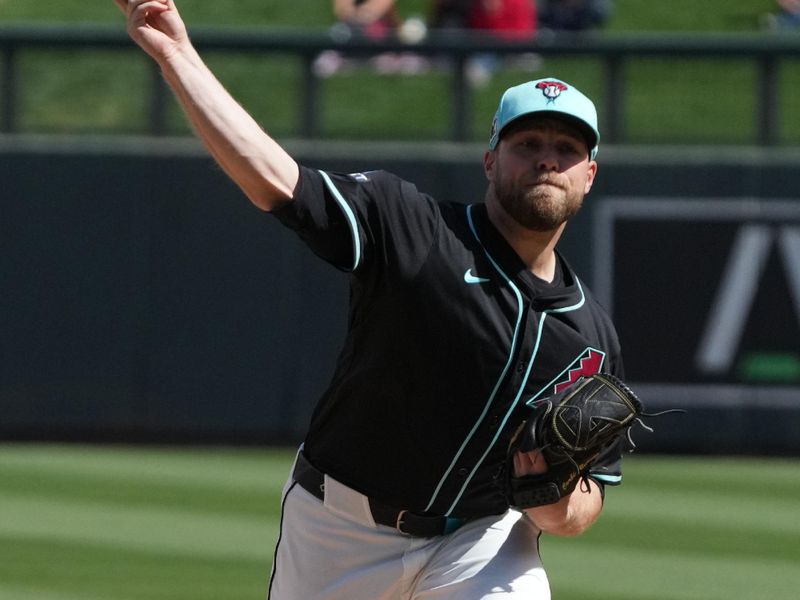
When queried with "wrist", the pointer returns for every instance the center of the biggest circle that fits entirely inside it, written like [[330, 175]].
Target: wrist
[[571, 515], [177, 54]]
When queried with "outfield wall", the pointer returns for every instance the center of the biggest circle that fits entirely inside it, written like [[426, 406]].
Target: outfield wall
[[145, 299]]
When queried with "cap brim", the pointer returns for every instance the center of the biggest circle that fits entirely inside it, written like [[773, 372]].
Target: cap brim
[[586, 130]]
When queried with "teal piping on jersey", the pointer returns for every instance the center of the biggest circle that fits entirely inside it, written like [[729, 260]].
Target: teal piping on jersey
[[575, 306], [505, 419], [534, 354], [611, 479], [351, 219], [499, 380]]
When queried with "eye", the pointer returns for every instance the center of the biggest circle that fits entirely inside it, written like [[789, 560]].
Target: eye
[[568, 147]]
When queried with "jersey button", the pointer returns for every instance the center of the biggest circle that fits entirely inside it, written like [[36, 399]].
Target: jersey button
[[520, 367], [462, 472]]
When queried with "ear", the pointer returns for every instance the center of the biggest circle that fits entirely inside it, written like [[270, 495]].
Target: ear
[[590, 175], [488, 164]]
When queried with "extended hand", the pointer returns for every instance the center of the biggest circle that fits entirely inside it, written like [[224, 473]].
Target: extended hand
[[155, 25]]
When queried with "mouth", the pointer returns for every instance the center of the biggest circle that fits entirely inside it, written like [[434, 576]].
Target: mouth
[[545, 182]]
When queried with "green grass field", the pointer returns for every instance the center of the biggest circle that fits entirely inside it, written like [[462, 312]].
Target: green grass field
[[99, 523], [669, 101]]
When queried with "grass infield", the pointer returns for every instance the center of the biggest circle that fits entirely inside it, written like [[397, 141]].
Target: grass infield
[[100, 523]]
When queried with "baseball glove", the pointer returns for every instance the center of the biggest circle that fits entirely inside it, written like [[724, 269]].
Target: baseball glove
[[571, 428]]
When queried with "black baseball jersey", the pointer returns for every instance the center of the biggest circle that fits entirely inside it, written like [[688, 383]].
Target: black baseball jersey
[[450, 340]]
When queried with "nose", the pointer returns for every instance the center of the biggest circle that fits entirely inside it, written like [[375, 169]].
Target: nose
[[547, 159]]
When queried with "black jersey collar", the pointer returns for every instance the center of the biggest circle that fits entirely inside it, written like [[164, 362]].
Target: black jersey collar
[[544, 295]]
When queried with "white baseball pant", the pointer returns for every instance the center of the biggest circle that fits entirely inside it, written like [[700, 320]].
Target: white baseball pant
[[333, 550]]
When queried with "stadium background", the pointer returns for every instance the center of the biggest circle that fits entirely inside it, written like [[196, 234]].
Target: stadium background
[[146, 301]]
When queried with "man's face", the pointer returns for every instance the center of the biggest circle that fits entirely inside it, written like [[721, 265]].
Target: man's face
[[540, 172]]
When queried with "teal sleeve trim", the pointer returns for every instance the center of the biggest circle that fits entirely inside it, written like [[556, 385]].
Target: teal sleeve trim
[[609, 479], [349, 215]]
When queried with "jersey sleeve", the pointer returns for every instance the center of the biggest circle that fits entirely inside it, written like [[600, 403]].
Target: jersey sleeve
[[362, 222]]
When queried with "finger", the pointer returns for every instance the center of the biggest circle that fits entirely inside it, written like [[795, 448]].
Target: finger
[[144, 9], [518, 469], [530, 463], [538, 463], [524, 464], [134, 4], [138, 6]]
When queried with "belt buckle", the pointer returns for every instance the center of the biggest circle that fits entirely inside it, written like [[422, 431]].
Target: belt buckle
[[399, 523]]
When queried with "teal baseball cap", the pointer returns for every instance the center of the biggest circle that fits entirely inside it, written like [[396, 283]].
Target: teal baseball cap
[[547, 96]]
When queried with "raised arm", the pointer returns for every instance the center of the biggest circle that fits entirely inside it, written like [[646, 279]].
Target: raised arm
[[258, 165]]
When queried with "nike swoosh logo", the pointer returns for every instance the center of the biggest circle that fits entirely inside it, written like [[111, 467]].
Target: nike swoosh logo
[[470, 278]]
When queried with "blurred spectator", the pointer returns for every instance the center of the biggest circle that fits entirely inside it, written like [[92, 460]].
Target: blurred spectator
[[786, 18], [504, 19], [574, 15], [509, 19], [450, 14], [376, 20]]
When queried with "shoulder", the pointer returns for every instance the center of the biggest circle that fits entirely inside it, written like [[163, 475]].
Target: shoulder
[[377, 179]]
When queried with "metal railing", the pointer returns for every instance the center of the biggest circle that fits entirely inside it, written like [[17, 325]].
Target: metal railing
[[614, 51]]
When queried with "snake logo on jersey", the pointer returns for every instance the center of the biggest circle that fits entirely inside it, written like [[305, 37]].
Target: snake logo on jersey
[[589, 363], [586, 365]]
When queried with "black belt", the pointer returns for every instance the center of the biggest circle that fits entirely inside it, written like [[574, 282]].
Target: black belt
[[313, 481]]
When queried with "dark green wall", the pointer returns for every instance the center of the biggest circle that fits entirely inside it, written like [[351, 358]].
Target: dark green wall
[[145, 299]]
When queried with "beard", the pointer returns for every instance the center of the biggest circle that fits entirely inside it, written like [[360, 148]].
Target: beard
[[538, 208]]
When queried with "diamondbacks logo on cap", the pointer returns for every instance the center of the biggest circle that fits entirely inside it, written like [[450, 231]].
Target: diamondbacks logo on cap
[[551, 89], [494, 127]]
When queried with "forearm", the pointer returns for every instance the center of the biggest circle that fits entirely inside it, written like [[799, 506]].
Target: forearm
[[573, 514], [259, 166]]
